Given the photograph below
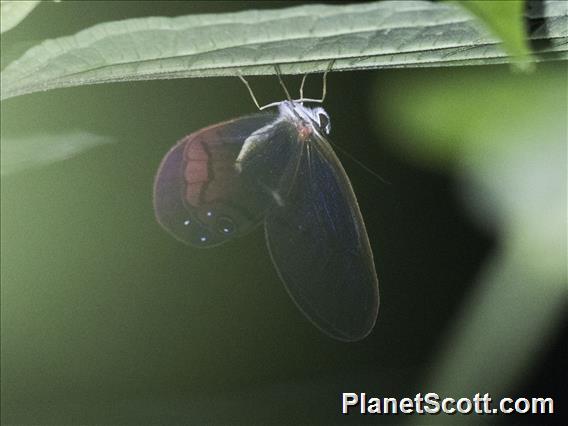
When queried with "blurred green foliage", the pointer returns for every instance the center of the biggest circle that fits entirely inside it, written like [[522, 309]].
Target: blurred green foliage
[[485, 125], [18, 155], [14, 12], [505, 18], [504, 136]]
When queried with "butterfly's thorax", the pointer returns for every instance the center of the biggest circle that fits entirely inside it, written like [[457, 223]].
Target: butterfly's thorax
[[270, 157], [304, 122]]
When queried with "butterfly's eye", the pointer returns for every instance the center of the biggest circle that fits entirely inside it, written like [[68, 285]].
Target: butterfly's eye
[[324, 121]]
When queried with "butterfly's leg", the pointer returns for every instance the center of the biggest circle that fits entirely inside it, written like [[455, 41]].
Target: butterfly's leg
[[324, 90], [250, 91], [279, 74], [302, 86]]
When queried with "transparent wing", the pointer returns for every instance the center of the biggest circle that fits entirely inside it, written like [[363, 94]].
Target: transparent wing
[[199, 195], [319, 245]]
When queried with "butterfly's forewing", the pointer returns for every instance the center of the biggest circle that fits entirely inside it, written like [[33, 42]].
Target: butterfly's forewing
[[270, 158], [319, 245], [199, 195]]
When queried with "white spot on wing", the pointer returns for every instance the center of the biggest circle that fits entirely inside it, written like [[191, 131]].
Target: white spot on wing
[[277, 198]]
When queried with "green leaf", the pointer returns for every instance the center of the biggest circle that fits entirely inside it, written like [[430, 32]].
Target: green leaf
[[388, 34], [506, 20], [14, 12]]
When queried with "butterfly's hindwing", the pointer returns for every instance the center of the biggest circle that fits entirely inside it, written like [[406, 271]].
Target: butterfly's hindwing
[[319, 245], [200, 196]]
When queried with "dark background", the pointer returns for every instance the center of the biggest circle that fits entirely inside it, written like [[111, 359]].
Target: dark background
[[107, 319]]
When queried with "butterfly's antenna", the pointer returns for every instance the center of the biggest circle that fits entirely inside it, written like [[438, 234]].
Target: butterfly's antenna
[[250, 91], [279, 74], [359, 163]]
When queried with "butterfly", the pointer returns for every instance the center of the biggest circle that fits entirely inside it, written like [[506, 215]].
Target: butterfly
[[277, 169]]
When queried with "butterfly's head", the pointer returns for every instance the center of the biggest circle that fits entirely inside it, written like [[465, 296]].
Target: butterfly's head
[[317, 116]]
